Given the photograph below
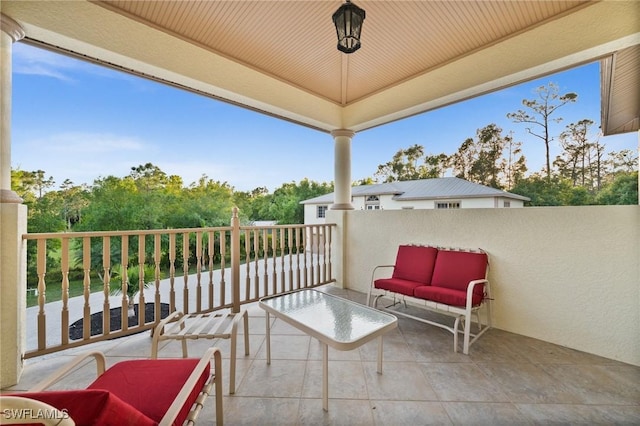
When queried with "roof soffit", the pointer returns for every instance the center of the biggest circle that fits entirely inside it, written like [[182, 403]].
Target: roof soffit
[[572, 34]]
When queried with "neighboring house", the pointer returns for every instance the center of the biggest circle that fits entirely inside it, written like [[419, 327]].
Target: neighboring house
[[440, 193]]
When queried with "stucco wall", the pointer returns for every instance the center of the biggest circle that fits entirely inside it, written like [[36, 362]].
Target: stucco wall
[[567, 275], [388, 203], [13, 286]]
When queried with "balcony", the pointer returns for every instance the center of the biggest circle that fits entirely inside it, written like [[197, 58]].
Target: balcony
[[565, 348], [556, 354], [506, 379]]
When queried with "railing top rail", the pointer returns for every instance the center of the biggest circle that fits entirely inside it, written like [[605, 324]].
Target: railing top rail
[[41, 235], [35, 236], [294, 225]]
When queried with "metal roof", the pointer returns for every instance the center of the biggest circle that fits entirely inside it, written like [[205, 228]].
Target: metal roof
[[423, 189]]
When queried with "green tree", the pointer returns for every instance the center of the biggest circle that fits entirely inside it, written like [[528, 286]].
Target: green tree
[[516, 165], [539, 115], [251, 203], [411, 164], [365, 181], [284, 204], [74, 199], [205, 203], [581, 160], [481, 160], [113, 206], [622, 190], [625, 161], [555, 192]]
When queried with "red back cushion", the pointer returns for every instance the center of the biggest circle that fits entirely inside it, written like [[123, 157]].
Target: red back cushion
[[454, 269], [415, 263], [89, 407], [151, 385]]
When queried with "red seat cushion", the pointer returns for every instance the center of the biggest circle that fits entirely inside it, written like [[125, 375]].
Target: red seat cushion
[[455, 269], [446, 296], [397, 285], [91, 407], [152, 385], [415, 263]]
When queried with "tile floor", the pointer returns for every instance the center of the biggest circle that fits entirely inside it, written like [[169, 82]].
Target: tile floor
[[507, 379]]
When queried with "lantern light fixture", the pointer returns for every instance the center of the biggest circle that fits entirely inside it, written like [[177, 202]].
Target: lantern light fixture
[[348, 21]]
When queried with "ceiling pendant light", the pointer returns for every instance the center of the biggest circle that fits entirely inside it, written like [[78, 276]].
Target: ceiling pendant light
[[348, 21]]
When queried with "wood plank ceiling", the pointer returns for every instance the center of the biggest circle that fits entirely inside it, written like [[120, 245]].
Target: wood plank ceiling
[[295, 41]]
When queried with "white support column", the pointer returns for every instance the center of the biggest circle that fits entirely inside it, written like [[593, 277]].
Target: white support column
[[13, 223], [342, 169], [10, 32]]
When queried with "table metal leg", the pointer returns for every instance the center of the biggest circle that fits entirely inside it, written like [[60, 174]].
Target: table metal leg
[[325, 376], [380, 355], [268, 339]]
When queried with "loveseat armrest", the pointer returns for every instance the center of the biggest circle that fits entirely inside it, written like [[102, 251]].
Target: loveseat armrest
[[373, 274], [471, 288], [373, 279], [59, 374]]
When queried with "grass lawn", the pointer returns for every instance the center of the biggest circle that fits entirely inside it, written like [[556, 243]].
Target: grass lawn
[[54, 292]]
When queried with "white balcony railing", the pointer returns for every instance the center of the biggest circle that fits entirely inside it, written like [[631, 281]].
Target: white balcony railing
[[191, 270]]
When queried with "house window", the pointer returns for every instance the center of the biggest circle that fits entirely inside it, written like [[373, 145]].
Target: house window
[[372, 202], [321, 211], [448, 205], [507, 204]]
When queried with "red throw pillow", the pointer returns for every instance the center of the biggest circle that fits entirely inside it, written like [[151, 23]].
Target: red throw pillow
[[415, 263]]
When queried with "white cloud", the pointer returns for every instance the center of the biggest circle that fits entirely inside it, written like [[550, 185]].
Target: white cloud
[[78, 143], [33, 61], [81, 157]]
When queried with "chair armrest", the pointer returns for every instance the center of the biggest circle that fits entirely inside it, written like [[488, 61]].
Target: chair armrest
[[187, 387], [470, 289], [157, 332], [175, 315], [373, 274], [60, 373], [21, 410]]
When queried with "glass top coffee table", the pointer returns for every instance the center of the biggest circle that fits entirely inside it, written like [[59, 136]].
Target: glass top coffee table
[[334, 321]]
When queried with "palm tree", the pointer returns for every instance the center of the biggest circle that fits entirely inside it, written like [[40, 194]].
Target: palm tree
[[132, 282]]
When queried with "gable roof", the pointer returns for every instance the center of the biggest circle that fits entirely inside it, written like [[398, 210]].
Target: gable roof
[[423, 189]]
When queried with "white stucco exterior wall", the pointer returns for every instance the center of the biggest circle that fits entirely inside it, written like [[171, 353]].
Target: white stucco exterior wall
[[388, 203], [566, 275]]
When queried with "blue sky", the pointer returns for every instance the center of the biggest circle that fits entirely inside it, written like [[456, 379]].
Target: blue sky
[[79, 121]]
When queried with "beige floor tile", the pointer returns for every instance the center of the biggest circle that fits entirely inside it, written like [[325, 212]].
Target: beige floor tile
[[462, 382], [252, 411], [283, 379], [575, 414], [599, 384], [409, 413], [529, 383], [346, 380], [345, 412], [398, 381], [483, 413]]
